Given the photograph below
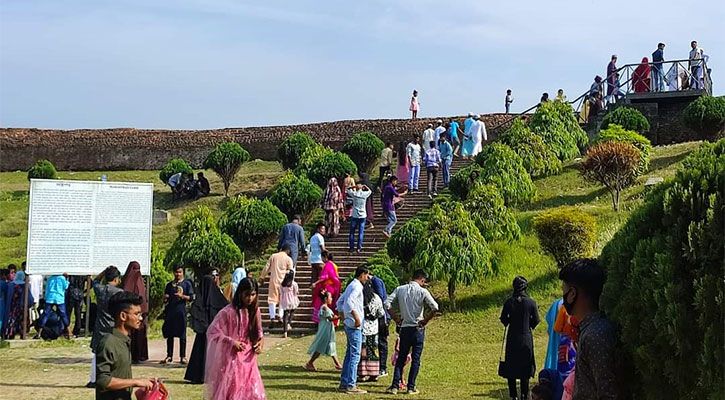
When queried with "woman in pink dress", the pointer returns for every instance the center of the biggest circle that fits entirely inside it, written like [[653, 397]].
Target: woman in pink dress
[[234, 339], [328, 281], [414, 104], [402, 172]]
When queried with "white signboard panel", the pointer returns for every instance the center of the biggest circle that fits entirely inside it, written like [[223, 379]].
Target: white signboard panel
[[81, 227]]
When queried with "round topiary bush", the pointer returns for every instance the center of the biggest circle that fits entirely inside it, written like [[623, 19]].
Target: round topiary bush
[[253, 224], [616, 133], [42, 169], [628, 118], [461, 181], [296, 195], [555, 122], [195, 223], [706, 116], [537, 157], [173, 167], [567, 233], [492, 218], [403, 241], [291, 149], [505, 169], [225, 160], [213, 251], [319, 164], [665, 283], [364, 149]]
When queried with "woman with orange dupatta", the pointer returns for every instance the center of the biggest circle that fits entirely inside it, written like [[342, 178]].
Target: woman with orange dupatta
[[641, 77], [133, 282], [328, 281]]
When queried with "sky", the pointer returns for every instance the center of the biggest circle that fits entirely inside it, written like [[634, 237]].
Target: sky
[[204, 64]]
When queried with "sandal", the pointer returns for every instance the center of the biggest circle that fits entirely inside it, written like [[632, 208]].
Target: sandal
[[166, 360], [310, 368], [338, 367], [182, 361]]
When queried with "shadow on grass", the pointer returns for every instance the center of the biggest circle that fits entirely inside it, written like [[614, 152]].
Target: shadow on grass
[[495, 299], [45, 385], [566, 200], [664, 162], [296, 387], [15, 195], [62, 360]]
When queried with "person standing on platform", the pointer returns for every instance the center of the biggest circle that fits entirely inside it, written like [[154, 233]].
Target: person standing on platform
[[55, 296], [611, 70], [658, 73], [386, 162], [104, 319], [317, 246], [115, 379], [178, 293], [277, 266], [133, 282], [414, 105], [413, 152], [209, 301], [508, 101], [293, 236], [695, 65]]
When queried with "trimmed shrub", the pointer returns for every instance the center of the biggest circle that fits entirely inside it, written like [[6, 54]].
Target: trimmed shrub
[[173, 167], [225, 160], [296, 195], [665, 283], [555, 122], [628, 118], [364, 149], [320, 164], [616, 133], [42, 169], [160, 276], [461, 181], [566, 233], [493, 219], [504, 168], [253, 224], [614, 165], [402, 242], [453, 249], [291, 149], [215, 250], [195, 223], [538, 159], [706, 116]]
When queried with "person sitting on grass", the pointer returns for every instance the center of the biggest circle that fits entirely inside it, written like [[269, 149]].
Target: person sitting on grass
[[324, 342], [202, 185], [114, 379]]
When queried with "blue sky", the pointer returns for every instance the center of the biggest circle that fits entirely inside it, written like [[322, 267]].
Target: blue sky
[[193, 64]]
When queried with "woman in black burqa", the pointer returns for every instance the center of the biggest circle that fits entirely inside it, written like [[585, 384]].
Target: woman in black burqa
[[206, 306], [521, 316]]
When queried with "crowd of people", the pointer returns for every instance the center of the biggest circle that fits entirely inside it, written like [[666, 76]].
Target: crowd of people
[[184, 186]]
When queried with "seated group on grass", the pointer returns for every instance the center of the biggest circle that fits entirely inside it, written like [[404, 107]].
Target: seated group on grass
[[183, 185]]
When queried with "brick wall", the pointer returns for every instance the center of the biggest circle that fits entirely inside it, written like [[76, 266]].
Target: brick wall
[[130, 148]]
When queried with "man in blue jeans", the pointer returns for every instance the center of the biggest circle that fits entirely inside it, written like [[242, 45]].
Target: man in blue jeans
[[405, 306], [447, 157], [359, 197], [351, 309], [55, 296]]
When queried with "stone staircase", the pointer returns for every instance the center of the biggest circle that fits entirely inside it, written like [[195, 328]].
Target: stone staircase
[[347, 262]]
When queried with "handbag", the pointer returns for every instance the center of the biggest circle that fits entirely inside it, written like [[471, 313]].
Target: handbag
[[501, 360], [157, 392]]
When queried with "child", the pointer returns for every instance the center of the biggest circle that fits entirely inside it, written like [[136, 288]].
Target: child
[[394, 358], [324, 342], [288, 300]]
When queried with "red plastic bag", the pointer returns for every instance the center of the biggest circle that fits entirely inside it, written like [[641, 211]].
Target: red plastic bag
[[157, 392]]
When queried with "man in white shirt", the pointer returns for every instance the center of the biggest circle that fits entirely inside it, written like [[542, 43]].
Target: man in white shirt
[[413, 152], [428, 136], [351, 310], [386, 162], [405, 306], [695, 65], [440, 129], [359, 196], [317, 246]]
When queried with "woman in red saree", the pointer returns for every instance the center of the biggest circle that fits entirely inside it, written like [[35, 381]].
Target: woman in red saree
[[234, 339], [641, 77], [328, 281]]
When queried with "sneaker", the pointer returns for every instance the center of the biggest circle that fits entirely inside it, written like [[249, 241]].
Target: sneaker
[[383, 373], [359, 250], [91, 385], [391, 390], [430, 196], [355, 390], [386, 234], [435, 193], [413, 391], [350, 250]]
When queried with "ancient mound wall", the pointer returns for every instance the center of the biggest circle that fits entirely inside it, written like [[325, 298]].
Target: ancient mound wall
[[130, 148]]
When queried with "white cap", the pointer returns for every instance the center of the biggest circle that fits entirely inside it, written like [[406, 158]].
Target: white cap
[[440, 121], [476, 116], [470, 114]]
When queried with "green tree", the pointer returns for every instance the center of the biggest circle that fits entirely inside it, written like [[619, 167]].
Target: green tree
[[173, 167], [225, 160], [504, 168], [403, 241], [537, 157], [160, 276], [706, 116], [615, 133], [291, 149], [296, 195], [615, 165], [555, 122], [319, 164], [628, 118], [42, 169], [567, 233], [665, 284], [493, 219], [212, 251], [195, 223], [453, 249], [364, 149], [253, 224]]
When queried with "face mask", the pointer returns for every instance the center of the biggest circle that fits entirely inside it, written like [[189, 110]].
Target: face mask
[[569, 307]]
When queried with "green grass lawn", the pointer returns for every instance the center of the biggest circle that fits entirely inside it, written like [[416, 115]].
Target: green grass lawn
[[460, 359], [254, 179]]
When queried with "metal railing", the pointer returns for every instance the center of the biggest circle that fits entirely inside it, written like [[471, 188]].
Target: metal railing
[[673, 76]]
